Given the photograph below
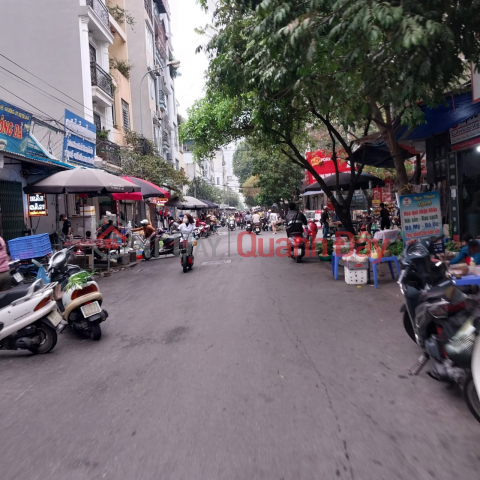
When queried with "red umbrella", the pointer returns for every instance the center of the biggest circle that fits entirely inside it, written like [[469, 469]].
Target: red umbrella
[[147, 190]]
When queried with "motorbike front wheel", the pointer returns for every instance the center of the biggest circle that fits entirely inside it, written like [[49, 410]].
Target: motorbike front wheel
[[47, 339], [470, 395], [185, 264], [95, 331], [407, 324], [298, 258]]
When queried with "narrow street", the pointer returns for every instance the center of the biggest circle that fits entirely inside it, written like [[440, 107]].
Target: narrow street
[[242, 369]]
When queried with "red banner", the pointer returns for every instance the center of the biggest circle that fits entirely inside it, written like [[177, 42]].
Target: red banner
[[377, 194], [387, 192], [323, 164]]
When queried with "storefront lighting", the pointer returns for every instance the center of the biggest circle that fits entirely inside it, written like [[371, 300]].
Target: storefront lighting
[[478, 148]]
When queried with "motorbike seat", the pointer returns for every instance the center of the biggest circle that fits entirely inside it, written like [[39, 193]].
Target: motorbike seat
[[7, 297], [434, 294]]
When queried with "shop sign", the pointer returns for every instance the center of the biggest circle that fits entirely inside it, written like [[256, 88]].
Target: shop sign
[[377, 193], [387, 192], [466, 134], [37, 205], [421, 216], [318, 215], [15, 126], [80, 140]]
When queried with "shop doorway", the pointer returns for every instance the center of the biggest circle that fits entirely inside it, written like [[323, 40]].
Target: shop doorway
[[469, 166], [12, 223]]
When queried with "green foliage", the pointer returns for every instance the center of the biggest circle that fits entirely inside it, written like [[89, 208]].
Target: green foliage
[[141, 159], [452, 246], [396, 248], [329, 247], [174, 71], [251, 191], [78, 280], [121, 65], [230, 198], [121, 15], [203, 190], [242, 161], [103, 134]]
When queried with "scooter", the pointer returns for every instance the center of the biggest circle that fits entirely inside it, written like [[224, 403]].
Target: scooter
[[186, 253], [80, 307], [29, 318], [264, 224], [311, 231], [248, 226], [231, 224], [257, 228], [442, 320], [297, 246]]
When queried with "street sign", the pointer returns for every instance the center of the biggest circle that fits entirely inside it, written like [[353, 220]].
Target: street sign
[[37, 205]]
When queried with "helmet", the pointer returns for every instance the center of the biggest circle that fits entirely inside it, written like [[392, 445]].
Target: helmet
[[325, 207], [144, 222]]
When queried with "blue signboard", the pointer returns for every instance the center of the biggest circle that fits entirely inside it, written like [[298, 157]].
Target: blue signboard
[[421, 216], [15, 126], [80, 140]]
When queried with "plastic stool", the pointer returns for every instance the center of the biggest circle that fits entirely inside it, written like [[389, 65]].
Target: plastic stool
[[335, 262], [389, 260]]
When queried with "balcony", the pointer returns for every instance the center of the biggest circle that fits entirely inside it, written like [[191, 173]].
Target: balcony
[[109, 152], [101, 10], [161, 100], [162, 6], [148, 8], [102, 86]]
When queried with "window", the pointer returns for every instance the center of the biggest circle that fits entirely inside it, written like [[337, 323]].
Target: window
[[218, 180], [97, 121], [151, 87], [93, 54], [149, 44], [126, 115], [177, 165]]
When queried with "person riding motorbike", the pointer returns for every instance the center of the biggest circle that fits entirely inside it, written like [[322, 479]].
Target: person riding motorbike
[[256, 218], [146, 228], [248, 217], [295, 220]]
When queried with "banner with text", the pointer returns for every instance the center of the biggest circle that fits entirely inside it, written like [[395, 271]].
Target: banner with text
[[15, 126], [80, 140], [421, 216]]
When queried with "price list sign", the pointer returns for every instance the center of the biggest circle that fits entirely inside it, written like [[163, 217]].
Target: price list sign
[[421, 216]]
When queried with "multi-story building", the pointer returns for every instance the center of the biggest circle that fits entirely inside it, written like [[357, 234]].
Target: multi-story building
[[153, 86]]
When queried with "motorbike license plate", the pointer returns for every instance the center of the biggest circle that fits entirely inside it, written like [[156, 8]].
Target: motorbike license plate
[[18, 277], [90, 309], [54, 317]]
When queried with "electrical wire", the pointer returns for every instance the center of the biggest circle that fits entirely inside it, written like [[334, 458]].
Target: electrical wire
[[33, 106], [39, 90], [38, 78]]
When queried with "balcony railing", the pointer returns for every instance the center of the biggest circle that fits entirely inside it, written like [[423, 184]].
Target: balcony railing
[[148, 8], [109, 151], [100, 78], [101, 10]]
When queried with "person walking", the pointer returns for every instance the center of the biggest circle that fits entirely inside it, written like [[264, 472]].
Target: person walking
[[5, 278], [384, 217], [325, 219], [273, 217], [67, 226]]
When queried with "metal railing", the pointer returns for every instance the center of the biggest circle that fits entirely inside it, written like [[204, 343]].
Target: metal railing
[[148, 8], [100, 78], [109, 151], [101, 10]]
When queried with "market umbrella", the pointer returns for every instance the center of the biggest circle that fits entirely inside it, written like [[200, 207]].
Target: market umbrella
[[188, 203], [209, 203], [148, 189], [82, 180], [344, 182]]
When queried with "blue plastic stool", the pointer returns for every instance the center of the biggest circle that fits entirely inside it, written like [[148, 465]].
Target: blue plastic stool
[[335, 262], [389, 260]]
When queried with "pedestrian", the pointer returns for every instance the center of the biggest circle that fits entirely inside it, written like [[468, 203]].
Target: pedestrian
[[325, 220], [462, 256], [273, 222], [5, 277], [384, 217], [160, 218], [67, 226]]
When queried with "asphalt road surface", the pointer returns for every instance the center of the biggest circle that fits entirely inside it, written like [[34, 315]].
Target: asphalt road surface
[[242, 369]]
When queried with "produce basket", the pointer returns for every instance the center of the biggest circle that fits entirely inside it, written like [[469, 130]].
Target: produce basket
[[34, 246]]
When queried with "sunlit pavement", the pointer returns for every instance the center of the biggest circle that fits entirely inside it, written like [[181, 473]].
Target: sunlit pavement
[[243, 368]]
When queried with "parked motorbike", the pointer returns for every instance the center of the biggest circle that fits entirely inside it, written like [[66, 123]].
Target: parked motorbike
[[257, 228], [231, 224], [248, 226], [80, 307], [264, 224], [186, 253], [311, 232], [441, 319], [29, 318], [297, 246]]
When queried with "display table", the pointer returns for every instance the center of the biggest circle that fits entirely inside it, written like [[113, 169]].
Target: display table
[[101, 244], [468, 280], [391, 235], [389, 260]]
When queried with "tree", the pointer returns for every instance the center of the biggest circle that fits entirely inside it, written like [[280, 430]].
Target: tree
[[141, 159], [251, 191], [203, 190], [242, 161], [230, 198]]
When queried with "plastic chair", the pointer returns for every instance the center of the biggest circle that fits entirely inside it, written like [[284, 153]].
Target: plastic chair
[[389, 260], [335, 263]]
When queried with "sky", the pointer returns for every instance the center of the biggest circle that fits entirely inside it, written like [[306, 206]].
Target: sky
[[186, 16]]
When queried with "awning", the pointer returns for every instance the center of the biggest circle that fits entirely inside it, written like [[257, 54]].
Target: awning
[[188, 203], [147, 190], [344, 182], [376, 154], [458, 109], [209, 203]]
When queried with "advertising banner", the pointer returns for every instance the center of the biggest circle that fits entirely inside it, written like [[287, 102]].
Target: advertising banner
[[37, 204], [387, 192], [15, 126], [421, 216], [80, 140], [377, 193], [323, 165], [466, 134]]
